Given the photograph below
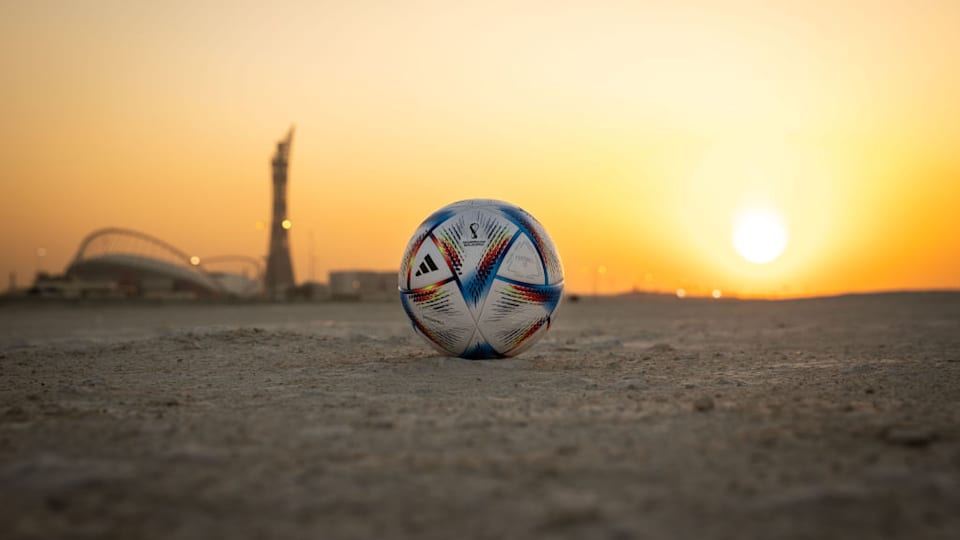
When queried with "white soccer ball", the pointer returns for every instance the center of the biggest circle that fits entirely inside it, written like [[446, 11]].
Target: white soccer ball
[[480, 279]]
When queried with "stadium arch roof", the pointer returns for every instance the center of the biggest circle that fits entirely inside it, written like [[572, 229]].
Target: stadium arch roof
[[132, 257]]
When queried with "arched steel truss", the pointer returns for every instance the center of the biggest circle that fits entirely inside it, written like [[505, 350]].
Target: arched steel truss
[[103, 241], [116, 240]]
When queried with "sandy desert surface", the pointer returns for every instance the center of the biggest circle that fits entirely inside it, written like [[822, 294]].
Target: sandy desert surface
[[634, 418]]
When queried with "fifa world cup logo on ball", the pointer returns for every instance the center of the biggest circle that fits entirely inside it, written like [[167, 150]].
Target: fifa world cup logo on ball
[[480, 279]]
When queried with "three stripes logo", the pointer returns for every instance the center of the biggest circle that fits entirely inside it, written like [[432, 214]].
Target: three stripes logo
[[426, 266]]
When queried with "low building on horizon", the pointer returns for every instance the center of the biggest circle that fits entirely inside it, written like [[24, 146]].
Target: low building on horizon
[[363, 285]]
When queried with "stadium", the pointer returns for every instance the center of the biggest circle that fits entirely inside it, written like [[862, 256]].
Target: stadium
[[117, 262]]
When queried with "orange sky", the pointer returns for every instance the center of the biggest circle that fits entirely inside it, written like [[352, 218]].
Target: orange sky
[[634, 131]]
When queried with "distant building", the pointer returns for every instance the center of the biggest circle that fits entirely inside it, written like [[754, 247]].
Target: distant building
[[48, 286], [140, 265], [311, 291], [121, 262], [363, 285]]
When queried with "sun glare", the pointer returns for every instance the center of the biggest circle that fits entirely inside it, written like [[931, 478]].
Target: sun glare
[[759, 235]]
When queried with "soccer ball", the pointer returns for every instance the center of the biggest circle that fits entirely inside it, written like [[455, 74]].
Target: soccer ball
[[480, 279]]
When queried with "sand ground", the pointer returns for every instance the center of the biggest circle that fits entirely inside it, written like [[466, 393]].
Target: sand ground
[[830, 418]]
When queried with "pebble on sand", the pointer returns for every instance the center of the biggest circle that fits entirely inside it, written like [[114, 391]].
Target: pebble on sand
[[703, 404], [914, 437]]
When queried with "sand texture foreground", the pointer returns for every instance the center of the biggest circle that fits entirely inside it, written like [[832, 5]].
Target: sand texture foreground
[[829, 418]]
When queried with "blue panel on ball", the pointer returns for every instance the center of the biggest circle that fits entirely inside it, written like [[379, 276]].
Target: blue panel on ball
[[476, 284], [481, 351], [437, 218]]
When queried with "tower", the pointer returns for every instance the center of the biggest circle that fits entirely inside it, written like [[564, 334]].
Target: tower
[[279, 275]]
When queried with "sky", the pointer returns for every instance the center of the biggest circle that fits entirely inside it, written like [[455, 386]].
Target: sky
[[638, 133]]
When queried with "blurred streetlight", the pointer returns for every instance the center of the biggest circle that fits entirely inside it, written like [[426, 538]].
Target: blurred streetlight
[[596, 278], [41, 253]]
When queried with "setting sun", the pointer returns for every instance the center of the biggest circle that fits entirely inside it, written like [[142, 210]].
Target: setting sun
[[759, 235]]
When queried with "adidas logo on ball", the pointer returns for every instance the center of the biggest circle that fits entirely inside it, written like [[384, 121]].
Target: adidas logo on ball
[[426, 266]]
